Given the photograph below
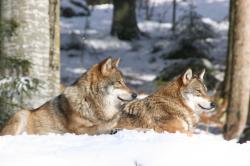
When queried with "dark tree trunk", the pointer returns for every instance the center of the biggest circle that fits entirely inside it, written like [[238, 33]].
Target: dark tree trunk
[[240, 78], [124, 24], [227, 78], [246, 134], [174, 15]]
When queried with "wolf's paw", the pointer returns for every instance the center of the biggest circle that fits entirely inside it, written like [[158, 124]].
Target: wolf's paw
[[114, 131], [142, 130], [189, 133], [129, 109], [131, 112]]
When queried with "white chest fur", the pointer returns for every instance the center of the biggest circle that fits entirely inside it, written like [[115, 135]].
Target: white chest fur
[[110, 107]]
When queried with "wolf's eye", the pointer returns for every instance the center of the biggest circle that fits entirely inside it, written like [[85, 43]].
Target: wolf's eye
[[118, 83], [198, 92]]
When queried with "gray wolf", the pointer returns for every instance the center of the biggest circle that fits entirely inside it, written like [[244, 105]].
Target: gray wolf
[[174, 107], [89, 106]]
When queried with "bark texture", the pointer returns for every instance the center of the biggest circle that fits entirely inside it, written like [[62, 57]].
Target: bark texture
[[227, 78], [124, 24], [37, 39], [240, 76]]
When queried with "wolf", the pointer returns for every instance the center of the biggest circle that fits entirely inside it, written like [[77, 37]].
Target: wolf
[[174, 107], [91, 105]]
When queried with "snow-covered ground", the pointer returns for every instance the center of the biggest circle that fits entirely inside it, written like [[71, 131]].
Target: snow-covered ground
[[126, 148], [93, 33]]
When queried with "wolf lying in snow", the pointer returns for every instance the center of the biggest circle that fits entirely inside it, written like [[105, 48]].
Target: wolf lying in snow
[[91, 105], [174, 107]]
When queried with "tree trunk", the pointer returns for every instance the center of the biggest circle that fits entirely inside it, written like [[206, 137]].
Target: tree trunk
[[240, 77], [245, 136], [37, 39], [174, 15], [54, 54], [124, 24], [227, 77]]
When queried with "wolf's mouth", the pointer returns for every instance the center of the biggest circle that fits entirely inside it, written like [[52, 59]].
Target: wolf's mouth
[[204, 108], [124, 100]]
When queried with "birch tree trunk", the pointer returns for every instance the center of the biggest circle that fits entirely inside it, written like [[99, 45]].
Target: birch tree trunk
[[240, 76], [37, 39]]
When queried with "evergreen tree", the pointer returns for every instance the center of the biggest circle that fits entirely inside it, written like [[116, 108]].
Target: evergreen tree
[[192, 36]]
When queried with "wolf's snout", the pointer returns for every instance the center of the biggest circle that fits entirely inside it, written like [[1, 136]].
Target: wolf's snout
[[213, 105], [134, 95], [126, 96]]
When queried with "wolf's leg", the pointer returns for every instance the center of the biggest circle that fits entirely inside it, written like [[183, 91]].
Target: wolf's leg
[[144, 130], [102, 128], [107, 127], [135, 108], [172, 126], [17, 124]]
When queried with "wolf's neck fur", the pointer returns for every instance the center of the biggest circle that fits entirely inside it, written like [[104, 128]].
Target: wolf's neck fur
[[172, 89], [110, 108]]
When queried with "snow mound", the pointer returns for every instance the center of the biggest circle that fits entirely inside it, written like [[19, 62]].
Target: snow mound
[[124, 149]]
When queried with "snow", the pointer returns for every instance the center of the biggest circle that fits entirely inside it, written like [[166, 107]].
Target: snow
[[21, 84], [77, 9], [124, 149]]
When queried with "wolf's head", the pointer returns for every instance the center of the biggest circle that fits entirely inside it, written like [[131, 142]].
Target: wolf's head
[[108, 81], [194, 92]]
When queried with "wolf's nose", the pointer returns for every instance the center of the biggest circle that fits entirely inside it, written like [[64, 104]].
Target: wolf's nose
[[134, 95], [213, 105]]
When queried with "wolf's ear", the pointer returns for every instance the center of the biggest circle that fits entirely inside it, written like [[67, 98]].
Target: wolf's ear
[[187, 76], [201, 75], [106, 66], [116, 62]]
